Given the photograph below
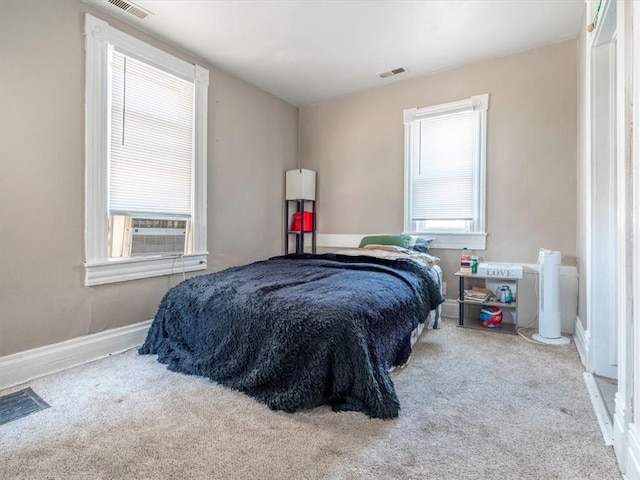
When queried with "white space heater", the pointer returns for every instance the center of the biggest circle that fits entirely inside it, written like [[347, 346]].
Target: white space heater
[[549, 320]]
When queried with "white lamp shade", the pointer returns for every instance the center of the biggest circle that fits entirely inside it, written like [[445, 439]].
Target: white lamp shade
[[300, 184]]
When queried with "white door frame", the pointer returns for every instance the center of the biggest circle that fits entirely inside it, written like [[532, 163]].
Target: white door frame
[[627, 212], [627, 418], [602, 283], [626, 421]]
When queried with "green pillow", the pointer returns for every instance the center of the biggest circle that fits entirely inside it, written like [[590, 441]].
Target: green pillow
[[397, 240]]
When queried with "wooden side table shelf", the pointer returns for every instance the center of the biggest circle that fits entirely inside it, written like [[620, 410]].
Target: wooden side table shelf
[[469, 310]]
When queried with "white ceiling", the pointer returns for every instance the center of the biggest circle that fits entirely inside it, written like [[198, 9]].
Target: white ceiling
[[306, 51]]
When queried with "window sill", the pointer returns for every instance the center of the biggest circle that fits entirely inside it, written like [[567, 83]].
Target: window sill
[[136, 268], [456, 241]]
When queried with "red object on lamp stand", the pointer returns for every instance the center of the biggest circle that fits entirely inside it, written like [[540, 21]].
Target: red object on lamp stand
[[307, 222]]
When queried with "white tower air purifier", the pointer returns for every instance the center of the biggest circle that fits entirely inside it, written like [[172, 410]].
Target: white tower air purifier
[[549, 320]]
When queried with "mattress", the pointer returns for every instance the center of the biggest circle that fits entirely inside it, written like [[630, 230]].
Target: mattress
[[434, 319]]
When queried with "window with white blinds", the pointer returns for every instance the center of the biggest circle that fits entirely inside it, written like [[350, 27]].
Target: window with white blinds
[[444, 163], [442, 167], [151, 141], [145, 159]]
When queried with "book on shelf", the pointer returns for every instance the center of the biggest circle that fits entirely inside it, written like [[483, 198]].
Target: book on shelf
[[478, 294], [466, 267]]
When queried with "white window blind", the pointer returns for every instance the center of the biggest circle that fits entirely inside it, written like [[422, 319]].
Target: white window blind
[[442, 167], [152, 140]]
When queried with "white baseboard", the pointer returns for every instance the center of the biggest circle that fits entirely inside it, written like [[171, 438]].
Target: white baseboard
[[599, 408], [633, 455], [336, 240], [582, 339], [620, 432], [450, 308], [24, 366]]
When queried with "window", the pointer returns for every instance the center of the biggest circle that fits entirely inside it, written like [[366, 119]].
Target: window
[[146, 122], [445, 172]]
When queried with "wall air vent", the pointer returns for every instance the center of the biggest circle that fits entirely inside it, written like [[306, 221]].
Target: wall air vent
[[130, 8], [390, 73]]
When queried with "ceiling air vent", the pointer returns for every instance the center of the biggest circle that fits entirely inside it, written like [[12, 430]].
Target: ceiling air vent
[[389, 73], [130, 8]]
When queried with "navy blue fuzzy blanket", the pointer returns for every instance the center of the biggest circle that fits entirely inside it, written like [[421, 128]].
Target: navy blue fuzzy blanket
[[298, 331]]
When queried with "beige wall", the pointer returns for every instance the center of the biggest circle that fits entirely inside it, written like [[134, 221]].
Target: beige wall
[[355, 143], [252, 141]]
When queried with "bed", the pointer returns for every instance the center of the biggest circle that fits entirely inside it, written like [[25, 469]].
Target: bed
[[299, 331]]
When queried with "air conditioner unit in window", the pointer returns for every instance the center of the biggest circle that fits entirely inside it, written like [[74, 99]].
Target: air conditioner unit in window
[[149, 236]]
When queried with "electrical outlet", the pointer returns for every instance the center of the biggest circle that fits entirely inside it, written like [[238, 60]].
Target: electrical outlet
[[444, 288]]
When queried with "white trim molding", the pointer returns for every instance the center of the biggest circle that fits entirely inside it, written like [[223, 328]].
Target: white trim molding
[[599, 407], [135, 268], [457, 241], [582, 339], [28, 365], [622, 418], [475, 103], [633, 453], [339, 240], [450, 309], [632, 325]]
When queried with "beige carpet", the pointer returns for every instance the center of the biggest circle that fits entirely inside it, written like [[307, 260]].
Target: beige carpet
[[475, 405]]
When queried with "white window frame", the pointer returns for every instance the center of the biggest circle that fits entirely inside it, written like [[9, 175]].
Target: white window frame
[[475, 237], [99, 268]]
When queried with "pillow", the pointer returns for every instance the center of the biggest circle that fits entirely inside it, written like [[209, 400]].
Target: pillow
[[393, 251], [420, 244], [428, 260], [398, 240]]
